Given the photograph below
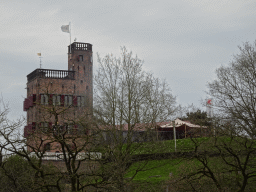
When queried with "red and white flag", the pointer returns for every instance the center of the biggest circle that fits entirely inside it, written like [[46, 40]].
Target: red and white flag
[[209, 102]]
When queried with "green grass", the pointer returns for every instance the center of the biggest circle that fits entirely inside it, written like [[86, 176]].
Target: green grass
[[166, 146], [155, 170], [166, 166]]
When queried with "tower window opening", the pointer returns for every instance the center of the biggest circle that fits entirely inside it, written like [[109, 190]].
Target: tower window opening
[[81, 58]]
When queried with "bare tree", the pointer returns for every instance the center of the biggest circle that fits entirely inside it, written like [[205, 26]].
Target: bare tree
[[234, 92], [70, 148], [128, 102], [226, 161]]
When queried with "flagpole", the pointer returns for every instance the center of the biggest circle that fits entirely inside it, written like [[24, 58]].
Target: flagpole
[[40, 59], [70, 39]]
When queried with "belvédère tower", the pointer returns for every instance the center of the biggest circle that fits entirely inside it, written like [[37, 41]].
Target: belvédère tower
[[70, 89]]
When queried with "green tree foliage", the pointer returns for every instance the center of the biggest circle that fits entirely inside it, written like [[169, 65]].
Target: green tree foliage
[[198, 117], [17, 174]]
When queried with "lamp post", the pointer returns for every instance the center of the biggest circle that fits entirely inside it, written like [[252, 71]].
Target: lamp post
[[174, 133]]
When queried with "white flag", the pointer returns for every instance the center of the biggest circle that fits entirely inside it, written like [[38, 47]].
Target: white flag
[[65, 28]]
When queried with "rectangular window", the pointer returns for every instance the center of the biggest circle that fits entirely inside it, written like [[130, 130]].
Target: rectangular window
[[82, 102], [86, 101], [54, 100], [78, 101], [68, 100], [69, 129], [58, 99], [44, 127], [81, 58], [44, 99]]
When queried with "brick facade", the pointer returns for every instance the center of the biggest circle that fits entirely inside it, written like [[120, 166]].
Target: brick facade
[[59, 97]]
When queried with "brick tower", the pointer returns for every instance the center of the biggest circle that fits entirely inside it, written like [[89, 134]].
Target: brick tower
[[59, 98]]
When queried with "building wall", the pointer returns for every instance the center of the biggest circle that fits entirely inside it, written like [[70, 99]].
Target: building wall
[[38, 113]]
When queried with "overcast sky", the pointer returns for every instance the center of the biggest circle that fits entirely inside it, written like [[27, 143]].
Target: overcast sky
[[182, 41]]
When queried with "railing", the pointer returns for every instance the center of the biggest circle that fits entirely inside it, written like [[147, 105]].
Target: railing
[[80, 47], [51, 73]]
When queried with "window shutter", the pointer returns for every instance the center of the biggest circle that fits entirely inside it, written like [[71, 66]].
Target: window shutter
[[26, 104], [75, 101], [39, 99], [50, 99], [34, 99], [50, 125], [33, 126], [46, 97], [62, 99], [58, 99]]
